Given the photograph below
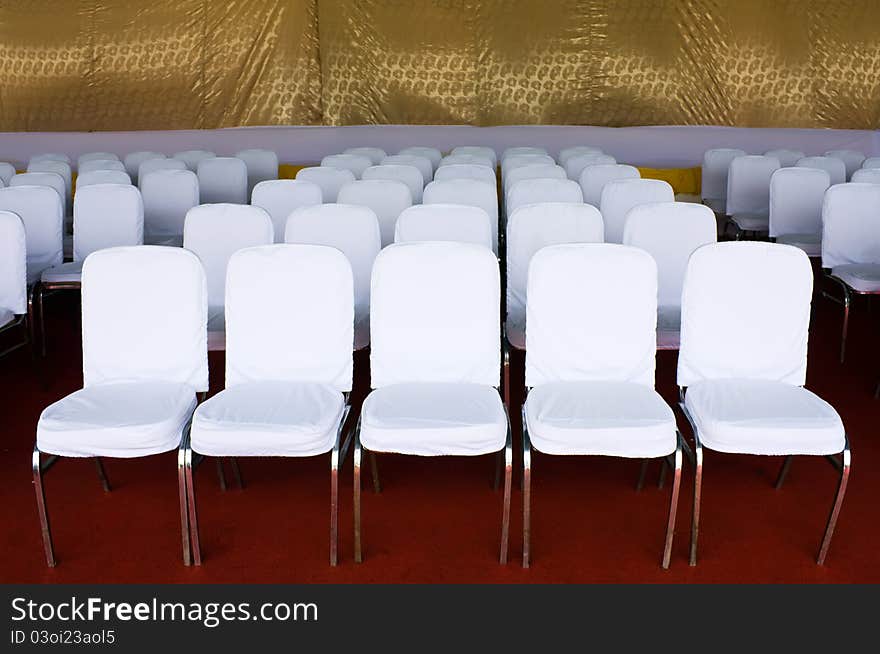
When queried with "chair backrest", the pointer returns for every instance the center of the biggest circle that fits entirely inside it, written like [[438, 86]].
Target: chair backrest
[[42, 214], [354, 231], [851, 225], [514, 161], [280, 197], [444, 222], [386, 197], [852, 159], [483, 151], [670, 232], [522, 149], [594, 178], [730, 331], [375, 155], [835, 168], [328, 178], [222, 180], [591, 314], [534, 226], [102, 177], [867, 176], [95, 156], [434, 315], [621, 195], [106, 216], [355, 163], [51, 180], [871, 162], [748, 184], [133, 160], [289, 316], [409, 175], [533, 171], [13, 263], [787, 158], [467, 171], [423, 164], [152, 165], [129, 297], [192, 157], [471, 192], [60, 168], [52, 156], [796, 200], [472, 159], [713, 172], [530, 191], [7, 171], [100, 164], [431, 154], [261, 165], [575, 150], [575, 165], [167, 196], [213, 232]]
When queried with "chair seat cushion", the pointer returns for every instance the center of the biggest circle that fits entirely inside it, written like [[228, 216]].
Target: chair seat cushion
[[809, 243], [70, 272], [268, 418], [863, 277], [6, 316], [749, 416], [752, 222], [600, 417], [121, 420], [516, 334], [434, 419]]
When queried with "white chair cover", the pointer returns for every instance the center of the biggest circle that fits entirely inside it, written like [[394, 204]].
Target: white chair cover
[[444, 222], [222, 180], [851, 225], [167, 196], [355, 163], [716, 163], [835, 168], [152, 165], [52, 180], [530, 191], [432, 154], [787, 158], [471, 192], [522, 150], [100, 164], [95, 156], [852, 159], [575, 165], [192, 157], [375, 155], [262, 165], [60, 168], [532, 171], [871, 163], [133, 161], [280, 197], [354, 231], [621, 195], [330, 179], [567, 153], [867, 176], [594, 178], [512, 162], [7, 171], [13, 265], [102, 177], [40, 210], [483, 151], [748, 185], [409, 175], [469, 159], [105, 216], [424, 165], [386, 197], [466, 171], [796, 196], [51, 156], [530, 228]]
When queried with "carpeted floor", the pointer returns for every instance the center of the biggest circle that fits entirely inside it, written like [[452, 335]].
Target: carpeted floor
[[438, 520]]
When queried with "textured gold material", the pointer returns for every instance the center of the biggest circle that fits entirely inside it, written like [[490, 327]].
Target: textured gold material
[[168, 64]]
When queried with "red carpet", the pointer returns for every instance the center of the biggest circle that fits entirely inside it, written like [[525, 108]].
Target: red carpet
[[438, 520]]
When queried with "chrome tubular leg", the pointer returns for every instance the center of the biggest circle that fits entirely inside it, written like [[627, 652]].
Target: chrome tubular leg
[[42, 311], [643, 469], [673, 504], [236, 473], [102, 475], [358, 557], [847, 299], [374, 470], [505, 511], [698, 483], [835, 509], [506, 379], [221, 475], [41, 509], [182, 498], [527, 492], [334, 504], [191, 504], [783, 472]]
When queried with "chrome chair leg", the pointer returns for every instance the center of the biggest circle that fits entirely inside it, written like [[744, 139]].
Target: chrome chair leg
[[358, 557], [838, 502], [847, 300], [527, 492], [374, 469], [783, 472], [102, 475], [673, 503], [643, 469], [698, 483], [182, 498], [505, 511], [195, 543], [42, 311], [337, 456], [41, 508]]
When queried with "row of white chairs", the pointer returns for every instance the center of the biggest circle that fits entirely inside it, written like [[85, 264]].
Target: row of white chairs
[[435, 363]]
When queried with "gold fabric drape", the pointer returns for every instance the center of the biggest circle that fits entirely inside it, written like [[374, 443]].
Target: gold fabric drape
[[173, 64]]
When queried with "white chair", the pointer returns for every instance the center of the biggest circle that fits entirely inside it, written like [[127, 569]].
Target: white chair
[[352, 230], [95, 156], [594, 178], [796, 196], [517, 160], [432, 154], [621, 195], [280, 197], [152, 165], [867, 176], [192, 157], [51, 156], [787, 158], [434, 396], [409, 175], [590, 359], [288, 367], [102, 177], [576, 150], [530, 191], [222, 180], [354, 163], [748, 192], [532, 171], [100, 164], [444, 222], [330, 180], [423, 164], [168, 195], [13, 279], [469, 159], [871, 163], [133, 160], [375, 155], [262, 165], [852, 159], [7, 171], [471, 192], [851, 243], [575, 165], [60, 168], [835, 168], [50, 180], [483, 151], [713, 175], [214, 233], [522, 150], [386, 197], [467, 171], [141, 371], [743, 362], [42, 213], [670, 232]]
